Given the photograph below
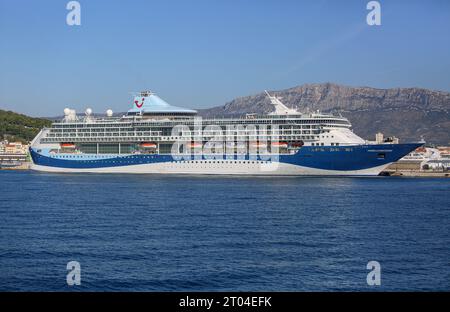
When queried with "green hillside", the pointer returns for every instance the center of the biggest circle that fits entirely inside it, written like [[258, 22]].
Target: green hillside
[[18, 127]]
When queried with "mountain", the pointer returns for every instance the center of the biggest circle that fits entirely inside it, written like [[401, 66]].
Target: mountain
[[407, 113], [18, 127]]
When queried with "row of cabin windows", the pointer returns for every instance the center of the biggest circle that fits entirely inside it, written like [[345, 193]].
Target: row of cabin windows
[[205, 134], [126, 160], [205, 122], [322, 144], [169, 129], [221, 162]]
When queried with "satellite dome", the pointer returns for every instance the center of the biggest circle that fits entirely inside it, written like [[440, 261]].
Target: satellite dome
[[88, 111], [109, 113], [66, 111]]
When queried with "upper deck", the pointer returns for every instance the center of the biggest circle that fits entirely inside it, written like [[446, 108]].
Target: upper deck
[[152, 119]]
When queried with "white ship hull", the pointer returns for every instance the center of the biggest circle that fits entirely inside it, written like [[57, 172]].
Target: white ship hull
[[225, 168]]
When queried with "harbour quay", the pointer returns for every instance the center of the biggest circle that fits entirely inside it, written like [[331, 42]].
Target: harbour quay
[[14, 161]]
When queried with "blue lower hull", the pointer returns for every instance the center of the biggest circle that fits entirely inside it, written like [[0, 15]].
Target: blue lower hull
[[342, 158]]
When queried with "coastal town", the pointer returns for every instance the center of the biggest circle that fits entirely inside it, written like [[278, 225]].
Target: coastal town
[[14, 155]]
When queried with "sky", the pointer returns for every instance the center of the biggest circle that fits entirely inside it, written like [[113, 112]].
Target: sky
[[203, 53]]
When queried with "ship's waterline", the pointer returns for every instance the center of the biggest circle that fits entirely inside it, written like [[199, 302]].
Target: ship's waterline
[[155, 137]]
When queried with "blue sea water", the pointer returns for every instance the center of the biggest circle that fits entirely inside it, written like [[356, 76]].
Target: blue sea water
[[194, 233]]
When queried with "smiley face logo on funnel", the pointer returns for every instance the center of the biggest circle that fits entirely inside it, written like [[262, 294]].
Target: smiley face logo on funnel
[[139, 105]]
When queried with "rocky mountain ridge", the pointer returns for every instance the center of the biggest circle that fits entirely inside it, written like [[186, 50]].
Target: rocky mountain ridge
[[407, 113]]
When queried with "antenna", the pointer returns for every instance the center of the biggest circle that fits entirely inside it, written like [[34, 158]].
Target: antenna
[[144, 93]]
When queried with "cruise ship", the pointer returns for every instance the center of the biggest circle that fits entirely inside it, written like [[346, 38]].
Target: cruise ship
[[154, 137]]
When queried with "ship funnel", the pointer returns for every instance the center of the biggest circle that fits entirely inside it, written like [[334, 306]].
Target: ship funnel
[[280, 108]]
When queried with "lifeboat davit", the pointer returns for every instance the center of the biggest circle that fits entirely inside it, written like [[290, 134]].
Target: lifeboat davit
[[148, 145]]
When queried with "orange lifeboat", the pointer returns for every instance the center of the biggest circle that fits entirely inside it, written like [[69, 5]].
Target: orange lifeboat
[[148, 145], [194, 145], [67, 145], [258, 144], [297, 144], [280, 144]]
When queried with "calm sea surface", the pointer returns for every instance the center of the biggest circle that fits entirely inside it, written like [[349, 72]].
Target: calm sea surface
[[189, 233]]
